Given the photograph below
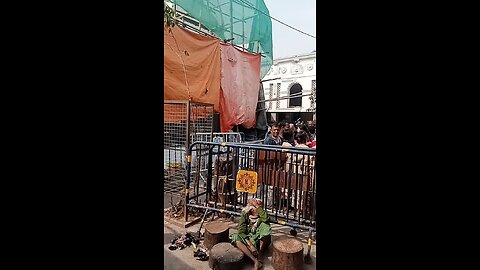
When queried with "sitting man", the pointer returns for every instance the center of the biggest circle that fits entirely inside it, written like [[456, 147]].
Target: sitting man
[[254, 231]]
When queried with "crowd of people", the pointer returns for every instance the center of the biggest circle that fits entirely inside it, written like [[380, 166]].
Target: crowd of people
[[290, 134], [302, 135]]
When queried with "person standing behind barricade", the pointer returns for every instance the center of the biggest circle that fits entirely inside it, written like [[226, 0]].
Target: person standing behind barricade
[[269, 130], [311, 129], [274, 138], [286, 158], [273, 164], [314, 142], [304, 129], [292, 127], [287, 138], [301, 160], [300, 165], [283, 126], [313, 132]]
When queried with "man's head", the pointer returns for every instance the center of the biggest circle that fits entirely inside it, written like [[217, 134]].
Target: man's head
[[311, 126], [275, 130], [287, 134], [303, 128], [301, 137], [249, 209], [282, 125], [292, 127]]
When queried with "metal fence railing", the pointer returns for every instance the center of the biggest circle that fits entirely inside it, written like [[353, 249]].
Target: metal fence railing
[[232, 137], [200, 162], [199, 165], [286, 180], [182, 119]]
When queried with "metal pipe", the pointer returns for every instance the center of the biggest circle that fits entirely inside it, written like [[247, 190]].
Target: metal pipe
[[308, 258], [214, 209], [277, 148], [209, 173], [287, 97], [270, 79], [187, 182], [197, 196], [276, 221], [243, 27], [231, 19], [189, 160]]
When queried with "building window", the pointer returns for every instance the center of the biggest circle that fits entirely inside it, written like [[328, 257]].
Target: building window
[[270, 96], [278, 95], [296, 91]]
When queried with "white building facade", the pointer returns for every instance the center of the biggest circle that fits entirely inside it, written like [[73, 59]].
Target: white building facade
[[290, 76]]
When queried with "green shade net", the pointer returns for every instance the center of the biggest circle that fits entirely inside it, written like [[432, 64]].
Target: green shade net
[[247, 21]]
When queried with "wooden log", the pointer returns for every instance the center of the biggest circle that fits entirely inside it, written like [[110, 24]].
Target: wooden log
[[287, 254], [215, 232], [224, 256]]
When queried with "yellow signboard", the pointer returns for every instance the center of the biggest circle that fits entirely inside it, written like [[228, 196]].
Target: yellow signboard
[[246, 181]]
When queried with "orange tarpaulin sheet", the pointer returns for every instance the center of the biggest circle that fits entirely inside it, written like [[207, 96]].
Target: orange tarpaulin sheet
[[239, 87], [177, 113], [201, 56]]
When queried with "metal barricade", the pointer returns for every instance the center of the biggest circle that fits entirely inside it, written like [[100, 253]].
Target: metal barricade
[[199, 169], [286, 181], [232, 137]]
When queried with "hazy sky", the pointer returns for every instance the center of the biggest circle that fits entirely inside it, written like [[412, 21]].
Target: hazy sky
[[300, 14]]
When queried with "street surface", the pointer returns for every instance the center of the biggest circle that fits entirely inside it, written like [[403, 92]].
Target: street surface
[[184, 260]]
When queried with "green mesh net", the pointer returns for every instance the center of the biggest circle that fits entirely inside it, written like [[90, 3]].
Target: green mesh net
[[246, 21]]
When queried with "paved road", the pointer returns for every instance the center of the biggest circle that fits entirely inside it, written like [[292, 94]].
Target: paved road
[[184, 260], [173, 263]]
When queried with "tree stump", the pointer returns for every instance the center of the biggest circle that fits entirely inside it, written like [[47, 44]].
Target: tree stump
[[224, 256], [215, 232], [287, 254]]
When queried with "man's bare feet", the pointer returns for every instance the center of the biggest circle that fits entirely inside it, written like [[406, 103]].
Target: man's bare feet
[[262, 245], [258, 265]]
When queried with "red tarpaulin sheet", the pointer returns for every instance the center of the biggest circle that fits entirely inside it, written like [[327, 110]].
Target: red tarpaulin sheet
[[240, 79], [201, 56]]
